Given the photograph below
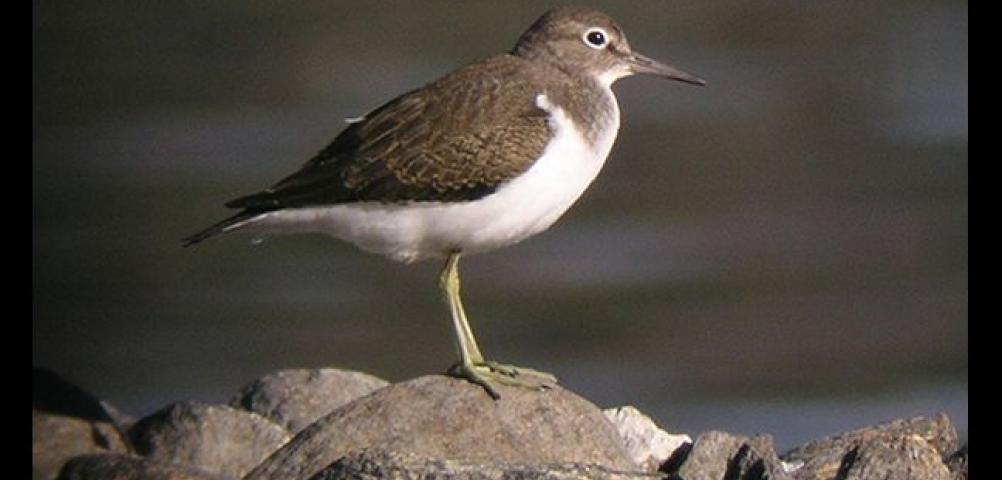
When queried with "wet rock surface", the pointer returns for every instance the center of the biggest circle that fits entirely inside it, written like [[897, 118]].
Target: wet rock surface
[[330, 424]]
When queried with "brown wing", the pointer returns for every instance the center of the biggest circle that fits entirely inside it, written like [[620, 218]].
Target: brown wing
[[456, 139]]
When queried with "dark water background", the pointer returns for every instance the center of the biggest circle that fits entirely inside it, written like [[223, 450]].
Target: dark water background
[[783, 251]]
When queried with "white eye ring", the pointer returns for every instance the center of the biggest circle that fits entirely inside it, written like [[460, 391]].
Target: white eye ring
[[596, 38]]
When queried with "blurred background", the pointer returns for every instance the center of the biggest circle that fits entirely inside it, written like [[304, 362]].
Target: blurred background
[[784, 250]]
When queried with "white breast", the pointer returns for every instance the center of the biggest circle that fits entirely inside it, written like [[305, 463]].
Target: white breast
[[523, 207]]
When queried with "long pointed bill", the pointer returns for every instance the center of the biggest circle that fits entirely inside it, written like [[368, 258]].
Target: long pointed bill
[[643, 65]]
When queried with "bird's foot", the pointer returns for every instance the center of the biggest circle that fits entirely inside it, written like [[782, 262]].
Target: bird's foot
[[487, 374]]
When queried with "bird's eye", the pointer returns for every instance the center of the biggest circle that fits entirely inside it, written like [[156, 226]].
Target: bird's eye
[[596, 38]]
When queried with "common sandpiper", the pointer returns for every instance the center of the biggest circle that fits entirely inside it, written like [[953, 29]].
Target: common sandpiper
[[481, 158]]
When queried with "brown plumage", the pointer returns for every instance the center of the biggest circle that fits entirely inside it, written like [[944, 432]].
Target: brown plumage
[[426, 146], [479, 159], [461, 137]]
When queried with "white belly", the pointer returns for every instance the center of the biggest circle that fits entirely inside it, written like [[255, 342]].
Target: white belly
[[517, 210]]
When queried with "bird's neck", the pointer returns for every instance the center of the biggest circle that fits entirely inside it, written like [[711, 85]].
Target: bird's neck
[[593, 109]]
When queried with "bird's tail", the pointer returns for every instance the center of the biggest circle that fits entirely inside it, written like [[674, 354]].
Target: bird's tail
[[224, 226]]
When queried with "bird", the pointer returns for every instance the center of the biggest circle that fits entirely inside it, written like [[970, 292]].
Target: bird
[[481, 158]]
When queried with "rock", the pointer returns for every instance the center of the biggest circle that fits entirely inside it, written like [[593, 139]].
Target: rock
[[378, 464], [648, 445], [439, 427], [957, 463], [118, 466], [906, 457], [938, 430], [757, 459], [123, 420], [66, 421], [677, 458], [215, 438], [823, 459], [296, 398], [719, 455], [710, 455], [53, 394], [452, 419], [56, 439]]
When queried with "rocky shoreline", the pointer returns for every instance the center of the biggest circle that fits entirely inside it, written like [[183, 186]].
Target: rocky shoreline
[[335, 424]]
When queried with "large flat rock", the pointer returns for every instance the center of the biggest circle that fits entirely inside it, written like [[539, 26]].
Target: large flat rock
[[452, 419]]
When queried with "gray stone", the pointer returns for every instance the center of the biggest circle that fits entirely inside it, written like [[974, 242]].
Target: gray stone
[[57, 438], [757, 459], [957, 463], [891, 457], [822, 459], [67, 421], [118, 466], [938, 430], [216, 438], [647, 444], [377, 464], [296, 398], [452, 419], [718, 455], [710, 455]]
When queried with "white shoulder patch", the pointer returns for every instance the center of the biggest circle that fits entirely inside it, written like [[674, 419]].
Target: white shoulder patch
[[352, 120], [543, 102]]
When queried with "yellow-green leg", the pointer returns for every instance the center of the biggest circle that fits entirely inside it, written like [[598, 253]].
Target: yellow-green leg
[[472, 365]]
